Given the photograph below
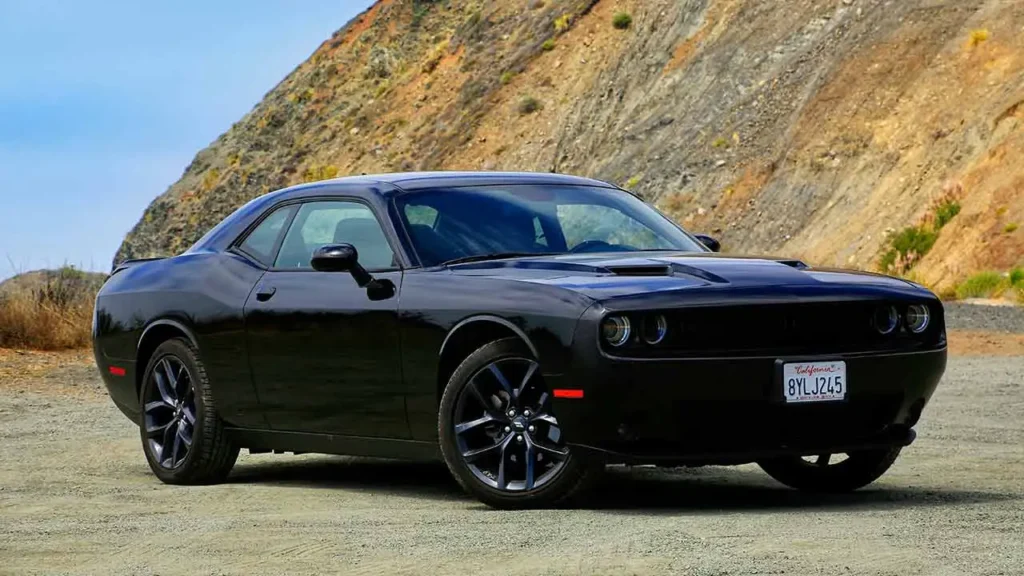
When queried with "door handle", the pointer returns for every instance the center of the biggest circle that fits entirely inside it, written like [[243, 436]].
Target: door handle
[[264, 293]]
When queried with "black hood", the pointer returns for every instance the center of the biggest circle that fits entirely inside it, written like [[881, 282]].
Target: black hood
[[601, 276]]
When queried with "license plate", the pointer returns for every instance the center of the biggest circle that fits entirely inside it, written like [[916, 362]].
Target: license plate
[[814, 381]]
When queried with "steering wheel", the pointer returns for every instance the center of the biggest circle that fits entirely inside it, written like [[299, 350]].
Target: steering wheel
[[592, 246]]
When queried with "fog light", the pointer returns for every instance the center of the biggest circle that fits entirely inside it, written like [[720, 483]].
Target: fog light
[[655, 328], [615, 330], [917, 318], [886, 319]]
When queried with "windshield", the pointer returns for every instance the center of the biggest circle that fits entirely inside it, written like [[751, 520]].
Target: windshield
[[454, 224]]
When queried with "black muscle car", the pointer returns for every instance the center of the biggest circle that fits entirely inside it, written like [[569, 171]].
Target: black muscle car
[[526, 328]]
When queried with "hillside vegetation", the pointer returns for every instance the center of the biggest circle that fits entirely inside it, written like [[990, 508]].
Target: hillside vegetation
[[879, 134], [48, 309]]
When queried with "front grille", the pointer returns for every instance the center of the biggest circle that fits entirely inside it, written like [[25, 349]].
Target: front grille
[[779, 329]]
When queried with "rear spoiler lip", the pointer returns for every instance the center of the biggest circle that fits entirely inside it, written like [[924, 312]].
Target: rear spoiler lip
[[126, 264]]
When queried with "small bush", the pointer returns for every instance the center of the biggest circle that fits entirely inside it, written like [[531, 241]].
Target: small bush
[[562, 23], [945, 211], [981, 285], [632, 182], [720, 142], [906, 247], [506, 77], [978, 36], [316, 173], [622, 20], [53, 314], [1010, 228], [1016, 277], [548, 45], [529, 105]]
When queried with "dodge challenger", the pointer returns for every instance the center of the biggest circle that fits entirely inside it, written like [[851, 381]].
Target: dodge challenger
[[526, 329]]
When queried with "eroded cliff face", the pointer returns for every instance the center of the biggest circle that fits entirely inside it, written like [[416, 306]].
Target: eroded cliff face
[[808, 128]]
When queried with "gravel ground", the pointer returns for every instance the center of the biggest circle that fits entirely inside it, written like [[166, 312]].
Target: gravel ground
[[77, 497], [961, 316]]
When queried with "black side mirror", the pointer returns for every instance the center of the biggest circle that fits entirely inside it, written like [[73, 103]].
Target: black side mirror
[[345, 258], [709, 242], [335, 258], [341, 258]]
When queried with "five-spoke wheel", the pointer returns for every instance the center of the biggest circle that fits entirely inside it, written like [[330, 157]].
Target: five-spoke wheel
[[182, 435], [499, 434], [169, 411], [504, 429]]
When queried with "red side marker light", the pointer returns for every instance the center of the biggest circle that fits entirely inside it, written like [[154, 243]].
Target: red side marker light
[[567, 393], [117, 371]]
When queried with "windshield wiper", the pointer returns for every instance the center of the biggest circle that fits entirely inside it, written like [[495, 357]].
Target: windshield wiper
[[495, 256]]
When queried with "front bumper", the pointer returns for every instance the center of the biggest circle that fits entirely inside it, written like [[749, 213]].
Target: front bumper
[[731, 410]]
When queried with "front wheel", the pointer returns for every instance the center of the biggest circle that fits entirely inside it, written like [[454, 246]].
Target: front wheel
[[831, 472], [498, 435]]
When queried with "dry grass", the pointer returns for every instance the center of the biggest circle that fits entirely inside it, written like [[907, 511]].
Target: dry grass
[[54, 312]]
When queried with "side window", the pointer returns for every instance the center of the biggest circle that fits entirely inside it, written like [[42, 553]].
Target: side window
[[260, 243], [320, 223]]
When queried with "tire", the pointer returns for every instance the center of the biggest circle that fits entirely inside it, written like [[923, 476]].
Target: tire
[[531, 445], [209, 454], [857, 471]]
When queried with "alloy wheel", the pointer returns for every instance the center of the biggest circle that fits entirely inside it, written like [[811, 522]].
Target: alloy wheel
[[169, 412], [504, 428]]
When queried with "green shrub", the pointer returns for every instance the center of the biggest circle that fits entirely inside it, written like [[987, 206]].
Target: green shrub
[[529, 105], [945, 211], [622, 20], [981, 285], [1010, 228], [1016, 277], [506, 77], [907, 247], [316, 173], [548, 45]]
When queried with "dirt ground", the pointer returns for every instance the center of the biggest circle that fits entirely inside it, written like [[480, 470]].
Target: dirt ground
[[76, 496]]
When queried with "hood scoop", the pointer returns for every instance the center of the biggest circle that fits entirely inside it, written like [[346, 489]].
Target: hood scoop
[[641, 270], [794, 264]]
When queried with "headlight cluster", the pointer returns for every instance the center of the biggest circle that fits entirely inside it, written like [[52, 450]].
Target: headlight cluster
[[618, 330], [915, 317]]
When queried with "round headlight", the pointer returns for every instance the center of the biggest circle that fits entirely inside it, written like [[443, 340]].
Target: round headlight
[[615, 330], [917, 318], [886, 319], [655, 328]]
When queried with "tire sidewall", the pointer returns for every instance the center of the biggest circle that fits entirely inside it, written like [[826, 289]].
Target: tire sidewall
[[187, 355], [859, 470]]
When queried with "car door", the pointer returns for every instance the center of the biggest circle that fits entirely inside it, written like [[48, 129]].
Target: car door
[[325, 358]]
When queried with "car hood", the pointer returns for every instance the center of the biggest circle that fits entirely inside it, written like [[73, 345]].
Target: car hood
[[602, 276]]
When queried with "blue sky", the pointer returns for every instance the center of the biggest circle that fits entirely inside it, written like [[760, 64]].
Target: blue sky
[[103, 104]]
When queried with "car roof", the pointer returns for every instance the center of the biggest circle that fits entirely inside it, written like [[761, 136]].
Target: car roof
[[420, 180], [411, 181]]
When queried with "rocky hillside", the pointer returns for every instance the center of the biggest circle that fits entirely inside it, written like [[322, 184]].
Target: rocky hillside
[[858, 133]]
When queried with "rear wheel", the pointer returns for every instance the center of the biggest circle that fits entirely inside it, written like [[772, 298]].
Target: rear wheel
[[498, 435], [831, 472], [182, 435]]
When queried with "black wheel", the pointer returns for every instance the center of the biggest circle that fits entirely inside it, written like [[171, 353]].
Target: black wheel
[[831, 472], [182, 436], [498, 435]]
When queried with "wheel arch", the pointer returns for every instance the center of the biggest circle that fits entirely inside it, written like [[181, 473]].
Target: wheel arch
[[468, 336], [155, 334]]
